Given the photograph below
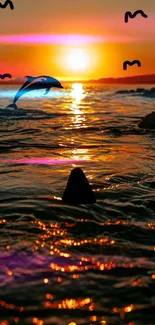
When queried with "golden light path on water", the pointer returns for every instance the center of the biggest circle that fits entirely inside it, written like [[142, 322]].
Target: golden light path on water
[[78, 120], [77, 94]]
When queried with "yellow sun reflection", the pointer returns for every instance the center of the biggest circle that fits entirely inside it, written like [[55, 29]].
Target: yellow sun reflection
[[78, 118], [80, 154], [77, 95]]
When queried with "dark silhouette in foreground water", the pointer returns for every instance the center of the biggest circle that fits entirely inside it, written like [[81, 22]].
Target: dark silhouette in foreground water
[[78, 190], [32, 83], [148, 122]]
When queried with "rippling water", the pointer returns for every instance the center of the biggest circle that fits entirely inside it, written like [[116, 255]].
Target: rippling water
[[61, 264]]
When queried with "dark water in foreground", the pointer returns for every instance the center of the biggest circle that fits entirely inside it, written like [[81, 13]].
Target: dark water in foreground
[[77, 265]]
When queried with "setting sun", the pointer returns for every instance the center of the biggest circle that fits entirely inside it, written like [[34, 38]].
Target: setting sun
[[78, 60]]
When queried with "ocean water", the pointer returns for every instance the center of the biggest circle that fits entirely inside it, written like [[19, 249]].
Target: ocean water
[[80, 265]]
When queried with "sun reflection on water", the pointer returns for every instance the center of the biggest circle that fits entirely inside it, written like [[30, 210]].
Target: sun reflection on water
[[78, 119], [77, 95], [80, 154]]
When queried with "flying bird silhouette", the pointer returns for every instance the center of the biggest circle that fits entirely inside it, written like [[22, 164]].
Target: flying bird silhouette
[[126, 63], [128, 14], [7, 2], [6, 75]]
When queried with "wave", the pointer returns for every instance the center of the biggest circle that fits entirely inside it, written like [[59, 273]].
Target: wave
[[23, 114]]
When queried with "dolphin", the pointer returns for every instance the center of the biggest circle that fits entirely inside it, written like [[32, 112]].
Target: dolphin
[[78, 190], [33, 83]]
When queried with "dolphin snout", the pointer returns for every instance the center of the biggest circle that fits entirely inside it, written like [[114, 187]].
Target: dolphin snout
[[60, 86]]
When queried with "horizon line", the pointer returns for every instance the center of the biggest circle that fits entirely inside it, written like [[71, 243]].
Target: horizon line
[[21, 79]]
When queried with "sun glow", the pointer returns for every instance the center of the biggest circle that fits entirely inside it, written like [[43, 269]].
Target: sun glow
[[78, 60]]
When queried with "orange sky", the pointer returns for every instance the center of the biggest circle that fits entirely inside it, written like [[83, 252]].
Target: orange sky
[[102, 57]]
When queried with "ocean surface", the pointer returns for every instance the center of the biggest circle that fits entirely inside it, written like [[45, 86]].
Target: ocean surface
[[79, 265]]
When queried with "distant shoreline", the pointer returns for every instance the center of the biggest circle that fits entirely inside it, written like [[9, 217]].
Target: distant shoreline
[[141, 79]]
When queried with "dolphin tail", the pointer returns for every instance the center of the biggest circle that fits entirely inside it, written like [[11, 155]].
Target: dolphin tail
[[12, 106]]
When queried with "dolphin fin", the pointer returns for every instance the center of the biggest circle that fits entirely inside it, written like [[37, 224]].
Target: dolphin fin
[[30, 78], [28, 81], [47, 91], [78, 189], [12, 106]]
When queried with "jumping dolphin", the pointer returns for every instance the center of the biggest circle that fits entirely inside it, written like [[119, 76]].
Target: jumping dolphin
[[33, 83], [78, 189]]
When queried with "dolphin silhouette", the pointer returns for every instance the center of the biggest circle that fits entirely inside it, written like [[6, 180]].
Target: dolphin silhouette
[[33, 83]]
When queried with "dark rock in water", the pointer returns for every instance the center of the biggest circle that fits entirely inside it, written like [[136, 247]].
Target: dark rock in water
[[116, 131], [122, 92], [78, 190], [148, 122], [140, 90], [149, 93]]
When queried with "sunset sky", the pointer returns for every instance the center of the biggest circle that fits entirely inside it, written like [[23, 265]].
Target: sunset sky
[[73, 40]]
